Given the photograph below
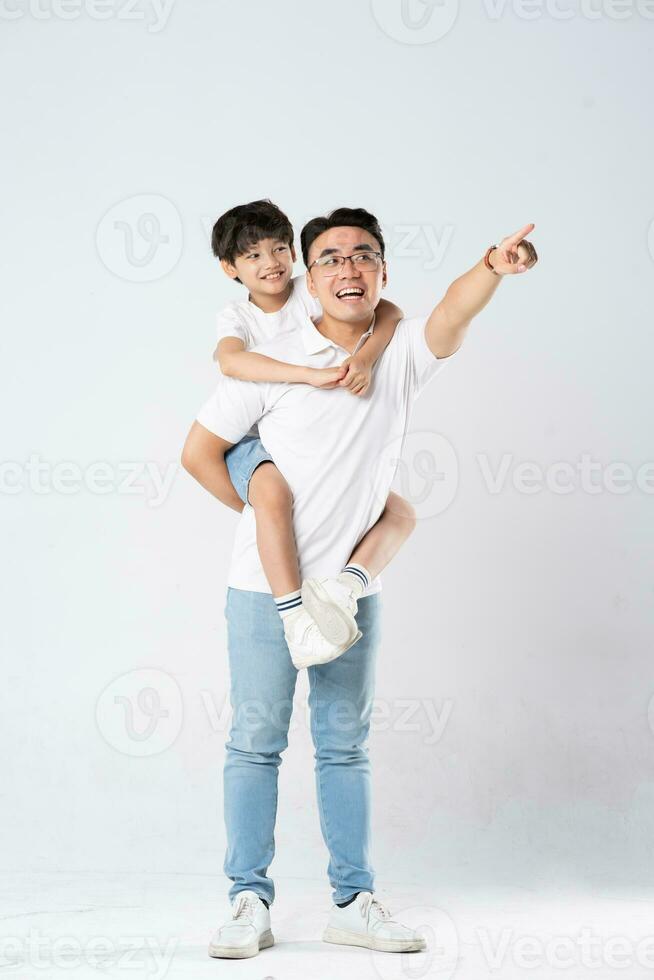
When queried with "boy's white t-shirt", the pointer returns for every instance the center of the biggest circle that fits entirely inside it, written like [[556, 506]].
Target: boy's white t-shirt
[[251, 325]]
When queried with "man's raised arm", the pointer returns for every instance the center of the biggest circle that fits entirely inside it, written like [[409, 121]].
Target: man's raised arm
[[203, 456], [469, 294]]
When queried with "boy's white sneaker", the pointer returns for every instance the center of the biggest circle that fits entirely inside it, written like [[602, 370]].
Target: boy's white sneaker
[[306, 643], [333, 606], [366, 922], [246, 932]]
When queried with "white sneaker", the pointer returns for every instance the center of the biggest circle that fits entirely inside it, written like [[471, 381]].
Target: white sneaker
[[365, 922], [306, 643], [246, 932], [333, 606]]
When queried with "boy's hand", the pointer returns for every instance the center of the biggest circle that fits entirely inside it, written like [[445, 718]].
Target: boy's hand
[[358, 376], [325, 377]]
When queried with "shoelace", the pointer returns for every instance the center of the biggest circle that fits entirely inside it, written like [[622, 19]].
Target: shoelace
[[245, 907], [371, 902]]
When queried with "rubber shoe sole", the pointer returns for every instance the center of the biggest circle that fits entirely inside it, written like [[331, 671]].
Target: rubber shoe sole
[[333, 622], [308, 662], [266, 939], [342, 938]]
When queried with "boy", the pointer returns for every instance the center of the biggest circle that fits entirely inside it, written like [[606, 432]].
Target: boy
[[254, 243]]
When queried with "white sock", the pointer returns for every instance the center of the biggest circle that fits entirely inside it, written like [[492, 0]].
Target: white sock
[[288, 603], [355, 577]]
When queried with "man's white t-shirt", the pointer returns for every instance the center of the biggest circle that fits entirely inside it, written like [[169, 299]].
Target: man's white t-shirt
[[338, 453]]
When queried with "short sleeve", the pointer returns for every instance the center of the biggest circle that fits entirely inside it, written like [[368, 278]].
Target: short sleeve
[[309, 303], [424, 364], [229, 323], [233, 408]]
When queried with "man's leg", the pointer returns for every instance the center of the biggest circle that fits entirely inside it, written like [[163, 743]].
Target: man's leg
[[341, 699], [262, 687]]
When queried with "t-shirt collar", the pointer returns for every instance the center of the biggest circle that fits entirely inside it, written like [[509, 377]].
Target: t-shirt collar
[[314, 341]]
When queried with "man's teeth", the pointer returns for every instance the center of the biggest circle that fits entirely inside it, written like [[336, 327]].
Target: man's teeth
[[349, 292]]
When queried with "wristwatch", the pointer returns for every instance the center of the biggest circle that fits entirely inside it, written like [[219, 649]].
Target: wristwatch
[[487, 261]]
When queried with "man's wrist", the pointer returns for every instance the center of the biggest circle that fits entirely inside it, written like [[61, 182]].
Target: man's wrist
[[488, 260]]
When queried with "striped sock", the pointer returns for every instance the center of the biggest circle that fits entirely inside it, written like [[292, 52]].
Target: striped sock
[[288, 603], [356, 577]]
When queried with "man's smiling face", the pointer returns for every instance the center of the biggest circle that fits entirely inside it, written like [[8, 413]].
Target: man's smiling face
[[352, 293]]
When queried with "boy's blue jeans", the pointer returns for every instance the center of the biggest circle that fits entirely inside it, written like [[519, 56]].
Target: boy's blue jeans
[[341, 696]]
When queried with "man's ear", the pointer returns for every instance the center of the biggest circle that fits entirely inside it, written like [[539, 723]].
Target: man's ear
[[384, 276], [310, 285], [228, 269]]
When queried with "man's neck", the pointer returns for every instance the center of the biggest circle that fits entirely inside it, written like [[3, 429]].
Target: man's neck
[[271, 304], [346, 335]]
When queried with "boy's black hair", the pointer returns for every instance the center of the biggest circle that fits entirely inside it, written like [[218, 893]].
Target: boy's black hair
[[238, 229], [352, 217]]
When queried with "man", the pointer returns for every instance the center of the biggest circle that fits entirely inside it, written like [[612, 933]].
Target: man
[[328, 447]]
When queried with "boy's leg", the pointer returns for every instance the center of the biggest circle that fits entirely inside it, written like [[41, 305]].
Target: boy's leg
[[382, 542], [341, 700], [262, 684], [329, 599], [271, 497]]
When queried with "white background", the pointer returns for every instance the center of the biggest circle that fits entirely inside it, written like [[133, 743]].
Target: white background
[[523, 620]]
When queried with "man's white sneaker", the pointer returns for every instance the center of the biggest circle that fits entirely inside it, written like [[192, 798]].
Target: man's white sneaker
[[246, 932], [306, 643], [333, 606], [365, 922]]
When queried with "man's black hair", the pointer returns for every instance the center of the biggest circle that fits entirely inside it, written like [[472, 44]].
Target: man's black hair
[[238, 229], [341, 217]]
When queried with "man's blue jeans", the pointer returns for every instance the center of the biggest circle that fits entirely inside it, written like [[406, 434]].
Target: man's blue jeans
[[340, 700]]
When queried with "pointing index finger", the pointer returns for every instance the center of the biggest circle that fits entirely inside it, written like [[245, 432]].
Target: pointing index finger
[[517, 236]]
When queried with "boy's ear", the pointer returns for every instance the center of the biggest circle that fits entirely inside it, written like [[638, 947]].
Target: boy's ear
[[228, 269], [293, 255]]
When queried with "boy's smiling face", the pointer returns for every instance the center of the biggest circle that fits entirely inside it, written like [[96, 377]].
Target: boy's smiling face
[[265, 269]]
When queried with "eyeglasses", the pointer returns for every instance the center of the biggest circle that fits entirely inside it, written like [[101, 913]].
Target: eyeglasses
[[331, 265]]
